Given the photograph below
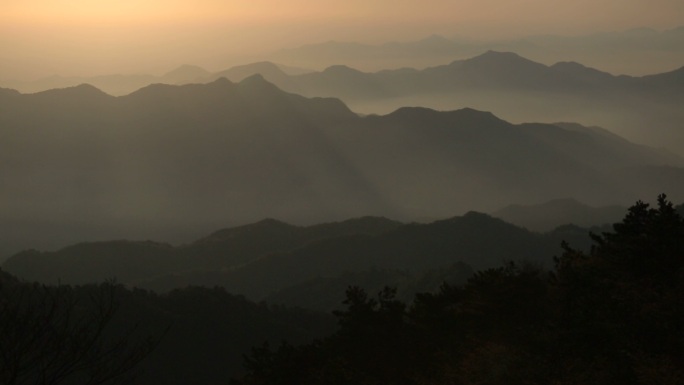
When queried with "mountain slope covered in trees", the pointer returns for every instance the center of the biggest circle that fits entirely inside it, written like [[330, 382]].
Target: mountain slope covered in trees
[[104, 333], [612, 315]]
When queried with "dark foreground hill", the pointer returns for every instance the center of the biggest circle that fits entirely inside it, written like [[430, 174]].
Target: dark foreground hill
[[167, 159], [65, 335], [130, 262], [617, 304], [283, 263], [609, 316]]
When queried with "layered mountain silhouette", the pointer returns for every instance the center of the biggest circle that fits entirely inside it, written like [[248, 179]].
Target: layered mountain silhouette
[[208, 154], [644, 109], [621, 51], [275, 259], [124, 84]]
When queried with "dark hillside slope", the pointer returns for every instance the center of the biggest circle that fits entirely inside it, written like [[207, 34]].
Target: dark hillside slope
[[269, 256], [475, 240], [198, 335], [645, 109], [208, 155], [129, 262]]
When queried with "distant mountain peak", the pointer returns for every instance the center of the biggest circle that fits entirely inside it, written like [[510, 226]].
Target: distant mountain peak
[[339, 69], [424, 112], [499, 58], [272, 222], [498, 55], [267, 223], [252, 79], [9, 91], [237, 231], [575, 68], [221, 80], [407, 112], [476, 218], [473, 112], [477, 215], [187, 68], [81, 91], [262, 64], [241, 72], [186, 73], [569, 64], [221, 84], [257, 81], [262, 67], [152, 89]]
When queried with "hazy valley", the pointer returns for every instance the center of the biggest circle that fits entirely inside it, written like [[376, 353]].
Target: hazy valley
[[453, 213], [515, 88], [167, 160]]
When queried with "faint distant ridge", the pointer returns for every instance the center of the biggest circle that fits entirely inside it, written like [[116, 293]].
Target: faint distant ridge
[[363, 225], [580, 71], [55, 102], [344, 82], [611, 51], [238, 245], [123, 84], [492, 69], [549, 215], [115, 84], [185, 74], [81, 91], [268, 225], [599, 49], [238, 73], [512, 85], [467, 117], [672, 81], [8, 91], [499, 60], [258, 83], [503, 70]]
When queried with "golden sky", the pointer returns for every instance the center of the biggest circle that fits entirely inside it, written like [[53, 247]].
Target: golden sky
[[611, 12], [101, 36]]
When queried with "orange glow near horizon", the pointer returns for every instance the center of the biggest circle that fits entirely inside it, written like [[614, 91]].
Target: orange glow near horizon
[[101, 36]]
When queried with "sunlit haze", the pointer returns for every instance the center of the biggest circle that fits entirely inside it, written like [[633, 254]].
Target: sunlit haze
[[81, 37]]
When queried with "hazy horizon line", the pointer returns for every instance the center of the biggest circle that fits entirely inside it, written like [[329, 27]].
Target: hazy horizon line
[[229, 61]]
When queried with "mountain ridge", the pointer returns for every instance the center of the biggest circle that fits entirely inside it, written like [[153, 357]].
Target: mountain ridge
[[294, 256], [179, 156]]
